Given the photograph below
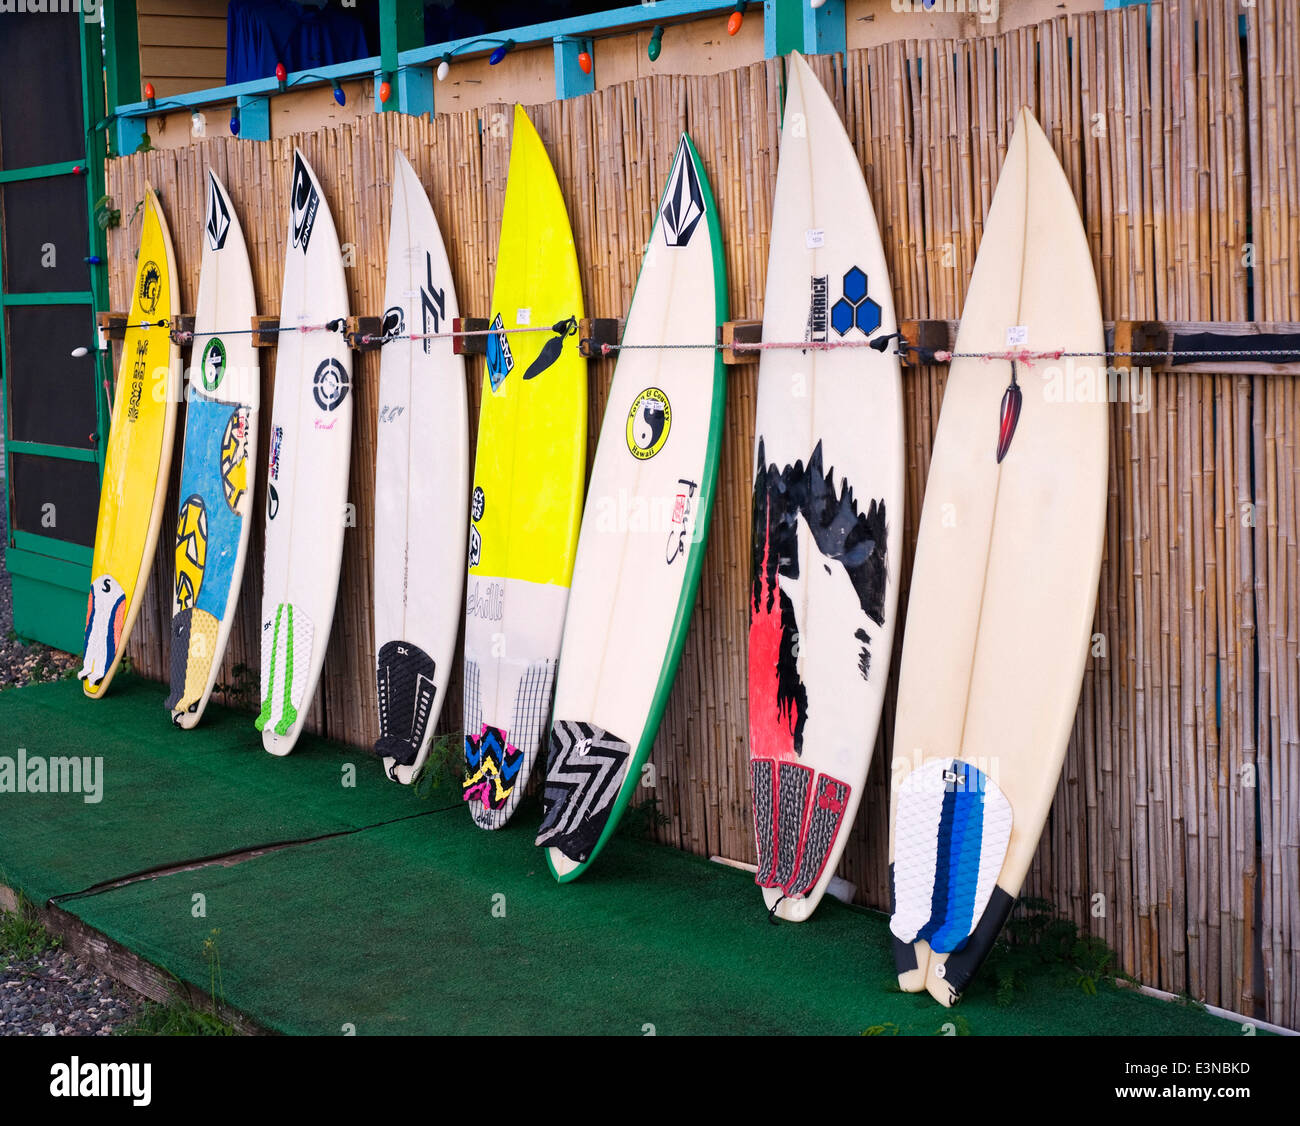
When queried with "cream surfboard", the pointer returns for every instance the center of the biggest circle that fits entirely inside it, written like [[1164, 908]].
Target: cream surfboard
[[421, 483], [527, 497], [1004, 581], [644, 528], [827, 507], [138, 460], [307, 472], [215, 517]]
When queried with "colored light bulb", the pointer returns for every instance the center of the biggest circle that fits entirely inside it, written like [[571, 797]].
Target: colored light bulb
[[385, 92], [444, 68], [584, 61], [734, 21], [280, 73], [234, 123], [148, 92], [339, 96], [656, 43]]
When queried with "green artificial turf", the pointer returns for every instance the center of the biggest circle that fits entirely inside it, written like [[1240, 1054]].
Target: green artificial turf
[[434, 926], [419, 922], [169, 796]]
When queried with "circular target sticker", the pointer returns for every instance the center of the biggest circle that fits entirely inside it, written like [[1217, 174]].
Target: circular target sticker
[[331, 384], [648, 423]]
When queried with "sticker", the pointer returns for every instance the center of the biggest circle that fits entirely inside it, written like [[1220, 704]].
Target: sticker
[[150, 286], [477, 503], [218, 224], [648, 423], [330, 384], [500, 360], [304, 202], [475, 546], [212, 366], [683, 205], [394, 321], [855, 309], [814, 238], [817, 306], [524, 317], [1017, 336]]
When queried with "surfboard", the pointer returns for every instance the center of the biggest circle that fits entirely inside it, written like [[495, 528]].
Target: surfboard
[[307, 472], [421, 483], [217, 471], [827, 511], [1004, 581], [643, 529], [137, 461], [528, 476]]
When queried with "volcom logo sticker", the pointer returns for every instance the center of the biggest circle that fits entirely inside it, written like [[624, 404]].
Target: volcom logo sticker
[[218, 224], [683, 201]]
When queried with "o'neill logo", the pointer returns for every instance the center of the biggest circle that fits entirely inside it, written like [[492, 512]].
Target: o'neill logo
[[102, 1080], [304, 202]]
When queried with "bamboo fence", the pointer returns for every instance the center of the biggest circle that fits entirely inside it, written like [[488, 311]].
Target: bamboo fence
[[1175, 833]]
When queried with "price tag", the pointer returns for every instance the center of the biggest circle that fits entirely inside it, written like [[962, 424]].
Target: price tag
[[1017, 336], [524, 316], [814, 238]]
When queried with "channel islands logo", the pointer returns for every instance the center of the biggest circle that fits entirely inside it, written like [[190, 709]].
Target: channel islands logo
[[648, 423]]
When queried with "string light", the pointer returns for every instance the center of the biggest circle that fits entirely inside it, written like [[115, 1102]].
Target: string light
[[584, 61], [339, 96], [234, 121], [385, 91], [656, 43], [281, 75], [444, 67], [817, 4], [501, 52], [149, 94], [736, 18]]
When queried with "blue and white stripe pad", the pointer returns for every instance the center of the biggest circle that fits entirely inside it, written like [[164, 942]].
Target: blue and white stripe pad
[[950, 840]]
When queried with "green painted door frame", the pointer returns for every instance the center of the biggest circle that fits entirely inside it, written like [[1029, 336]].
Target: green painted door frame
[[51, 576]]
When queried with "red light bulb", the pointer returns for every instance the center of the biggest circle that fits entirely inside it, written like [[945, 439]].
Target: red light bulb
[[148, 91], [734, 22], [584, 61], [280, 73], [385, 92]]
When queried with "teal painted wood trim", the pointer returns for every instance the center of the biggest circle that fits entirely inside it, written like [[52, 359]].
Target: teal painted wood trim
[[401, 28], [52, 613], [824, 28], [121, 54], [128, 133], [413, 91], [39, 171], [43, 557], [44, 449], [578, 27], [68, 297], [94, 108], [783, 26], [254, 118], [570, 81]]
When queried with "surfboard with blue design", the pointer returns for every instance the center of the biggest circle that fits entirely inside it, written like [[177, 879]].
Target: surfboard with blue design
[[217, 470], [1004, 581]]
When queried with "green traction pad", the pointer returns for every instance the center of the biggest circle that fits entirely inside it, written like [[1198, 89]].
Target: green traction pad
[[423, 926], [168, 796]]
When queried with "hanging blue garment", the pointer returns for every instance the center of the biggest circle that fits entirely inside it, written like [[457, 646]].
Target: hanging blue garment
[[261, 33]]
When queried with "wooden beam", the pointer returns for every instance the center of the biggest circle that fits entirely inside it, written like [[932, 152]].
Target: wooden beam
[[401, 28]]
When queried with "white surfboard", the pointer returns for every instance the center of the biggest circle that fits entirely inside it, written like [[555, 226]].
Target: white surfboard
[[421, 483], [827, 508], [643, 530], [217, 470], [307, 473], [1004, 581]]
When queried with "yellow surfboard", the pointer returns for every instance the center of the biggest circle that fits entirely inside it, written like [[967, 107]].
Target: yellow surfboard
[[136, 467], [528, 480]]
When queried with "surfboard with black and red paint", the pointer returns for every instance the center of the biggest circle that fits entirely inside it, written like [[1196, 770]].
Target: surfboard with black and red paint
[[1004, 582], [307, 475], [827, 507], [421, 483]]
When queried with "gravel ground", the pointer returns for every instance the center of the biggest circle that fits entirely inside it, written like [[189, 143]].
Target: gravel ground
[[51, 993]]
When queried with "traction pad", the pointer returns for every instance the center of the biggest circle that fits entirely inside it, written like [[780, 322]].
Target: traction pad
[[584, 774], [797, 818], [404, 677]]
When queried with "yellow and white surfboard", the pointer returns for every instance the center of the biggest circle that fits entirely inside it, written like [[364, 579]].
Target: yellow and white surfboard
[[528, 477], [139, 456]]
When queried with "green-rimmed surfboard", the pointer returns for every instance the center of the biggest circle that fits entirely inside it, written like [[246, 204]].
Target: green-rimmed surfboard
[[643, 529]]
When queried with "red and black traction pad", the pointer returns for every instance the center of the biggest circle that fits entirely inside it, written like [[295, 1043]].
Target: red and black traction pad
[[800, 816]]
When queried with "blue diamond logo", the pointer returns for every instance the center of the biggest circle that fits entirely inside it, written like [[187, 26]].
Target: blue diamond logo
[[868, 317], [855, 285], [841, 316]]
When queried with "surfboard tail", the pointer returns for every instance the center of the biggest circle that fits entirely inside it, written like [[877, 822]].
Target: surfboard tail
[[798, 814], [286, 657]]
